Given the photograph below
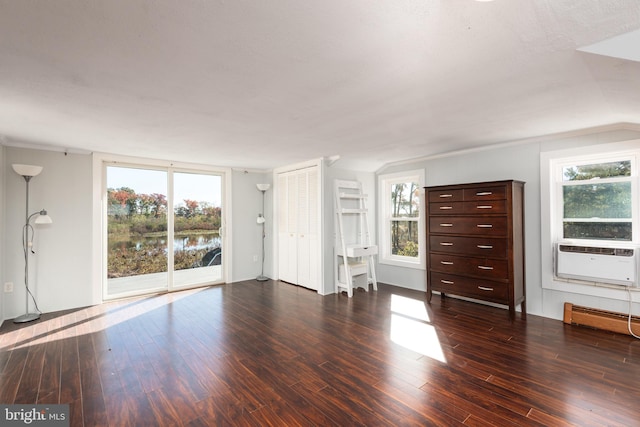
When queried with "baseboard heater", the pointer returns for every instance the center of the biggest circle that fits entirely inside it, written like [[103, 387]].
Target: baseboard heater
[[600, 319]]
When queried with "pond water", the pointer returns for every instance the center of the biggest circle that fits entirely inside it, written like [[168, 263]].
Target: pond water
[[184, 242]]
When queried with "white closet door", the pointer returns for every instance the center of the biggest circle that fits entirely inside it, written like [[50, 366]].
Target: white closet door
[[288, 234], [303, 229], [299, 254]]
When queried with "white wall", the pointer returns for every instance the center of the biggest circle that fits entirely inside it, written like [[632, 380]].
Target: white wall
[[60, 271], [519, 162], [247, 233]]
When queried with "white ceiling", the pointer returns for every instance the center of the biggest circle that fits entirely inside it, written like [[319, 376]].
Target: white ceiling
[[262, 84]]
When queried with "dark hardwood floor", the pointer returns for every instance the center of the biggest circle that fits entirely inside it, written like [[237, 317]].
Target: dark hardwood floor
[[274, 354]]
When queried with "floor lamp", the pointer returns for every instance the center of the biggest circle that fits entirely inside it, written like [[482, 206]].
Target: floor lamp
[[261, 221], [28, 172]]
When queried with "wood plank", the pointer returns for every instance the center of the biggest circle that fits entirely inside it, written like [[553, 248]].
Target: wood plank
[[12, 374], [70, 386], [30, 381], [49, 391]]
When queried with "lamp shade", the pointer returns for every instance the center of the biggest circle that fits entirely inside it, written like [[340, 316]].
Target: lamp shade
[[43, 219], [27, 170], [263, 187]]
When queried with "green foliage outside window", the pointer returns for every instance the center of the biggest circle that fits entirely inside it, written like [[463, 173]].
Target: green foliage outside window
[[598, 201], [596, 210], [410, 249], [132, 214], [597, 171]]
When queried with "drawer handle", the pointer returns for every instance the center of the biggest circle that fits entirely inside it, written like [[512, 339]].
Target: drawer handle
[[446, 262], [446, 244], [445, 195], [444, 208], [484, 193], [485, 267], [484, 225], [484, 288], [485, 246], [446, 225], [484, 207], [446, 282]]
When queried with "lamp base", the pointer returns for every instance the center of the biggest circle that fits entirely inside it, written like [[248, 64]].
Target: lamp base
[[262, 278], [29, 317]]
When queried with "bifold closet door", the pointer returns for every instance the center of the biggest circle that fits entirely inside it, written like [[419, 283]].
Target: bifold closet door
[[298, 235], [287, 236]]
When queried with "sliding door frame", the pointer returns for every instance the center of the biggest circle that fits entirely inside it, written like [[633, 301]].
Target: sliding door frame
[[99, 232]]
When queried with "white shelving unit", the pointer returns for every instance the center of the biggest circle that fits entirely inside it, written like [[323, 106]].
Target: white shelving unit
[[354, 252]]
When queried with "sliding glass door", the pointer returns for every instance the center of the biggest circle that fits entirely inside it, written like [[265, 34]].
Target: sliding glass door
[[197, 218], [136, 231], [151, 248]]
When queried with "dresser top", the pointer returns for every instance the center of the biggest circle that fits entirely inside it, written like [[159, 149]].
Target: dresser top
[[477, 184]]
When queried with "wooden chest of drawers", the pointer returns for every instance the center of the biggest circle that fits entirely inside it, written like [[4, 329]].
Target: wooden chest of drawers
[[475, 242]]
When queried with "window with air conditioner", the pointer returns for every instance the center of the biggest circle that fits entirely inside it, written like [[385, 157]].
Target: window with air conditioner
[[594, 209]]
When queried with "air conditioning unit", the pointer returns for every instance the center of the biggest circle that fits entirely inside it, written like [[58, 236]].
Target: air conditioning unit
[[613, 265]]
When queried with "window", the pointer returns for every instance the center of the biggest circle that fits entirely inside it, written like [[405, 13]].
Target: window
[[401, 233], [595, 198]]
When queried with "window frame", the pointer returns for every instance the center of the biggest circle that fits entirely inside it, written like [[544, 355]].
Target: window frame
[[385, 182], [558, 183]]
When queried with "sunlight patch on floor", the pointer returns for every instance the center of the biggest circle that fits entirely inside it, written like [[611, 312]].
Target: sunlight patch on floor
[[411, 329], [87, 320], [409, 307]]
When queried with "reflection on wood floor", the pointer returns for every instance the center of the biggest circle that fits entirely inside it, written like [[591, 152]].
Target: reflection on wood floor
[[270, 353]]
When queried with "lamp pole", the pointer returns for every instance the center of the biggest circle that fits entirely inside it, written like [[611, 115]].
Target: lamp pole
[[28, 172], [26, 317], [261, 220]]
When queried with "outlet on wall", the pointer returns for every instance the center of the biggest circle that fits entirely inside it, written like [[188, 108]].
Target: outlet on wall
[[255, 258], [8, 287]]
